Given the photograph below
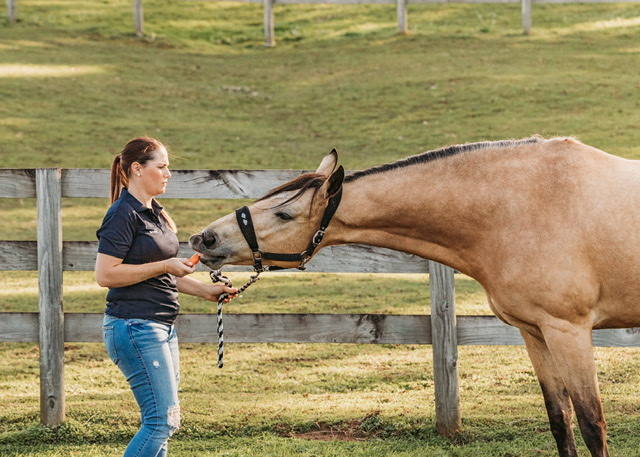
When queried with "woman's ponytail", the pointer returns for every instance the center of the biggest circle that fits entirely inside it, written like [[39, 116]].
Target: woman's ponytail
[[119, 179]]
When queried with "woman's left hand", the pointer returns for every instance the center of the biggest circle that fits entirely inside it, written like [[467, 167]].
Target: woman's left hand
[[215, 290]]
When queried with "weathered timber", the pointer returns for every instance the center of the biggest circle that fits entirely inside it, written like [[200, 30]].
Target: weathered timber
[[356, 258], [49, 202], [445, 350]]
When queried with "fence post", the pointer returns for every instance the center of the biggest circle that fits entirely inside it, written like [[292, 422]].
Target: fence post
[[269, 24], [526, 16], [445, 349], [51, 320], [403, 26], [11, 11], [138, 16]]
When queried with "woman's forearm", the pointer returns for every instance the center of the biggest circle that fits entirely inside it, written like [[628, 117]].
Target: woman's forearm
[[191, 286], [110, 273]]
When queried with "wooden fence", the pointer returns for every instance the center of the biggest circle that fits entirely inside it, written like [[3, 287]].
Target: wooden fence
[[401, 11], [51, 327]]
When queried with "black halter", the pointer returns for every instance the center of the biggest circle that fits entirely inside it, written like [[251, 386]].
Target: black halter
[[248, 231]]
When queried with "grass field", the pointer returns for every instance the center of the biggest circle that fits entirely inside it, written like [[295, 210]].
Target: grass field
[[76, 84]]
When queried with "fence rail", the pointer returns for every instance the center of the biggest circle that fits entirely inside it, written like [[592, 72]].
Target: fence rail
[[51, 327]]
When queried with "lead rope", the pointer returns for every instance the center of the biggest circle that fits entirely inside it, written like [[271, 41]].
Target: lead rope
[[217, 276]]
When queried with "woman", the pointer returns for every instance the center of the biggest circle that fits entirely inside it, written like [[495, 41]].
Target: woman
[[137, 261]]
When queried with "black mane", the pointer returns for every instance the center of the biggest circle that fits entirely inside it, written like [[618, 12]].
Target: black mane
[[440, 154], [313, 180]]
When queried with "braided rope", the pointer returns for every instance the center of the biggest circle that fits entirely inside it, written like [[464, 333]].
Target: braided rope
[[217, 276]]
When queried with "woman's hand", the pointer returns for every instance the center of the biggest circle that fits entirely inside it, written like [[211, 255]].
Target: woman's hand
[[209, 292], [178, 267], [215, 290]]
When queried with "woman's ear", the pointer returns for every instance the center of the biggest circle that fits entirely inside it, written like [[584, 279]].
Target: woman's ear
[[135, 168]]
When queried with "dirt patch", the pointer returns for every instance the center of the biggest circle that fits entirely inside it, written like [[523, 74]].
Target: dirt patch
[[328, 433], [359, 430]]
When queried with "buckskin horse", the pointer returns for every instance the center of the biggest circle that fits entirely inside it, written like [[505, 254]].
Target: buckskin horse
[[548, 227]]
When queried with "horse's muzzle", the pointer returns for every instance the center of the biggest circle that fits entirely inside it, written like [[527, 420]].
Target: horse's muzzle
[[203, 243]]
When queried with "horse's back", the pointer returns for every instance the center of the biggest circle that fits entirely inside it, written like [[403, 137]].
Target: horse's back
[[595, 182]]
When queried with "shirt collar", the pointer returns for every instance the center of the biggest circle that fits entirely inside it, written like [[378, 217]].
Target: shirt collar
[[137, 206]]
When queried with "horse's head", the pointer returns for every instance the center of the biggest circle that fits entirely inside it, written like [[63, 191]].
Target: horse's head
[[285, 221]]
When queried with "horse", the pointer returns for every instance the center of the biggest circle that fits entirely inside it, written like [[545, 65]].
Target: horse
[[550, 229]]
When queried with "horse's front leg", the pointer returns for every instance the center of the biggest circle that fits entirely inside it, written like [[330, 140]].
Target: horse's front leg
[[571, 349], [554, 391]]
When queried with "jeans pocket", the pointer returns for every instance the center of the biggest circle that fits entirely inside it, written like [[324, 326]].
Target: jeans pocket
[[109, 342], [145, 331]]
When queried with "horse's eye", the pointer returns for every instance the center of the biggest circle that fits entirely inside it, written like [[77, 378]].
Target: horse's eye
[[284, 216]]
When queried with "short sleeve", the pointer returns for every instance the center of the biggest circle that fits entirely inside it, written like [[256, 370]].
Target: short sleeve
[[117, 232]]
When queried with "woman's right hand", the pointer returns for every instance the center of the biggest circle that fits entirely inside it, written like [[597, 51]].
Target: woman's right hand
[[178, 267]]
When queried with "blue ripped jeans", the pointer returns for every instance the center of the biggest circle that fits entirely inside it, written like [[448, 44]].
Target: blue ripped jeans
[[147, 354]]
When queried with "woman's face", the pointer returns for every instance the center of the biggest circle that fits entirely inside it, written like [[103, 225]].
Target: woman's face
[[155, 173]]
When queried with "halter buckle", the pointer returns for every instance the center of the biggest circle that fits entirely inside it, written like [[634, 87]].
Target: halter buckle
[[317, 238], [304, 258], [257, 261]]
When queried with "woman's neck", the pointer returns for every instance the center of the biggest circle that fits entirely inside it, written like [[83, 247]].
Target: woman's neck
[[141, 196]]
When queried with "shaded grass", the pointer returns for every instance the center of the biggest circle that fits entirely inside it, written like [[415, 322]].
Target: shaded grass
[[275, 293]]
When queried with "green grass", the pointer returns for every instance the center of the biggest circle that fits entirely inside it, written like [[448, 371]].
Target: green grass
[[76, 84], [269, 397]]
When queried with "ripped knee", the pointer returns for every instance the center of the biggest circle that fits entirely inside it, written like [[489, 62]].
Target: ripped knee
[[173, 419]]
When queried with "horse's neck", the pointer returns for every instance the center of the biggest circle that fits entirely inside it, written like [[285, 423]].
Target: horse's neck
[[432, 210]]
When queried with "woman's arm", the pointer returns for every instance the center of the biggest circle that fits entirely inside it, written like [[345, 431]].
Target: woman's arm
[[111, 272], [200, 289]]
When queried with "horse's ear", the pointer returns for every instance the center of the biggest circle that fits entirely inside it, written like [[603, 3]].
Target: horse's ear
[[334, 183], [328, 164]]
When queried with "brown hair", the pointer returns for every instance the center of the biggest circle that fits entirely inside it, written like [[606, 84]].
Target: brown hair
[[141, 150]]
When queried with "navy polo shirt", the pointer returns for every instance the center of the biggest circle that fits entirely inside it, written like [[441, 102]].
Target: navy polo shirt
[[136, 234]]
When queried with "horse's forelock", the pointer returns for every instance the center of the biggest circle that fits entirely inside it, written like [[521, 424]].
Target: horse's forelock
[[300, 184]]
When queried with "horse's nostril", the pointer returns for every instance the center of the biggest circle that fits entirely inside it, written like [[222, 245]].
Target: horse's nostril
[[208, 239]]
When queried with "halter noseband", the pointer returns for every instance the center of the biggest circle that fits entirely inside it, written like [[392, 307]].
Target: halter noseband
[[243, 216]]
